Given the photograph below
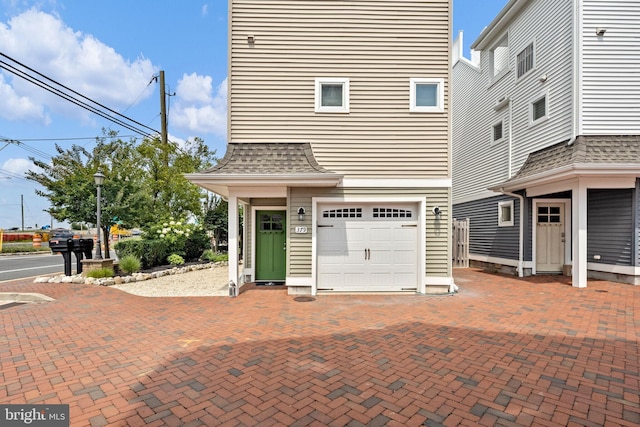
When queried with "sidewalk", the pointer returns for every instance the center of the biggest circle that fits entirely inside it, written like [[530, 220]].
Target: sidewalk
[[503, 351]]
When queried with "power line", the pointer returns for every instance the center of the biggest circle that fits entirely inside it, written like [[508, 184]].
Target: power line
[[11, 174], [78, 138], [67, 97], [58, 92]]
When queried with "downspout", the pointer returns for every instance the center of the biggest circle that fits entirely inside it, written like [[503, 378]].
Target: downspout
[[521, 231]]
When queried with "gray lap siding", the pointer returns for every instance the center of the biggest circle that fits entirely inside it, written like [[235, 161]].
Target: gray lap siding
[[485, 236], [610, 226]]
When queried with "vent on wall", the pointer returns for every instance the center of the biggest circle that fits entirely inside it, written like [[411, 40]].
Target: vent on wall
[[501, 103]]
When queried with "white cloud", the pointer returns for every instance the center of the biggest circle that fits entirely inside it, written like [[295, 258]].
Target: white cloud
[[18, 166], [198, 108], [16, 107], [77, 60], [195, 88], [205, 9]]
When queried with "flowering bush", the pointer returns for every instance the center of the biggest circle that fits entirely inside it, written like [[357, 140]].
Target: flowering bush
[[180, 237]]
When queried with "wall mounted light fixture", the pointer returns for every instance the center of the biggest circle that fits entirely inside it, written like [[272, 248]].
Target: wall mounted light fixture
[[251, 39], [600, 31], [301, 213], [436, 211]]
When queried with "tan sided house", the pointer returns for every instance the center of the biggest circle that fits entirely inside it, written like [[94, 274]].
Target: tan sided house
[[339, 145]]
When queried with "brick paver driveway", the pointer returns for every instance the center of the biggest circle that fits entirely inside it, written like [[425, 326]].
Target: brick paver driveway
[[504, 351]]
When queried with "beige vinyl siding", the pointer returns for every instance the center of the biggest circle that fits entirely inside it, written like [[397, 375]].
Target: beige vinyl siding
[[378, 46], [611, 81], [437, 243]]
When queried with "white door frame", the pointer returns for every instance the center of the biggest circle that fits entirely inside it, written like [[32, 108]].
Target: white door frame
[[422, 232], [567, 229]]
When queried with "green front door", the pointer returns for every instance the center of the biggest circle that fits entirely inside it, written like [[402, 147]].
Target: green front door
[[270, 245]]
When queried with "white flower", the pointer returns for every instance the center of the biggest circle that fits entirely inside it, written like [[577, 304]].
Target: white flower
[[172, 223], [178, 223], [159, 231], [162, 235], [165, 224]]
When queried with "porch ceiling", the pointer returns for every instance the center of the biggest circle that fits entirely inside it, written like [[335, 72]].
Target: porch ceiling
[[265, 165]]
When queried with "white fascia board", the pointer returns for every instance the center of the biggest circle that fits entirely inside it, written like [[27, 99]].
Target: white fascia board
[[396, 183], [500, 23], [572, 171], [291, 180]]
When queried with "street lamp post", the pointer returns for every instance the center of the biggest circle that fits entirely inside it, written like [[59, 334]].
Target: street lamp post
[[99, 180]]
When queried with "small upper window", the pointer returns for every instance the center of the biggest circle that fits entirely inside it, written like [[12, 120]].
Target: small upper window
[[332, 95], [505, 214], [497, 132], [539, 109], [525, 60], [500, 56], [427, 95]]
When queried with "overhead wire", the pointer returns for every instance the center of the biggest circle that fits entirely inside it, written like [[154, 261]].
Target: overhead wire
[[68, 97], [58, 92]]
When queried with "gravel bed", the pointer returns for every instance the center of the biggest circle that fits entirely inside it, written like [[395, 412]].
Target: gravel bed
[[198, 283]]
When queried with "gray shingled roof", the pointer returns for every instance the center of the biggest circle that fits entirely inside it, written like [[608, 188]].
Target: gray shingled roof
[[586, 150], [268, 159]]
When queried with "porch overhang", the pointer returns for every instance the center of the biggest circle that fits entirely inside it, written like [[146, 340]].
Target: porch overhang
[[592, 156], [260, 165], [224, 184], [570, 173]]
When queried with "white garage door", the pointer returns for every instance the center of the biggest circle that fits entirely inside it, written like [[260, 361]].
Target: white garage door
[[371, 247]]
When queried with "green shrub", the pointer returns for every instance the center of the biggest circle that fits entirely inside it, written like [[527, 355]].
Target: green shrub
[[129, 264], [210, 256], [6, 249], [175, 259], [151, 253], [195, 244], [101, 273]]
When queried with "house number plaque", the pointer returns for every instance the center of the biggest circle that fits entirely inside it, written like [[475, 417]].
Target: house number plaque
[[301, 230]]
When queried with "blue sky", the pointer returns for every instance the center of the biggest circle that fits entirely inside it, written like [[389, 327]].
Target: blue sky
[[109, 51]]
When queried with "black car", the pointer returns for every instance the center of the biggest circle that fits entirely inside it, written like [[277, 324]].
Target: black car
[[62, 233]]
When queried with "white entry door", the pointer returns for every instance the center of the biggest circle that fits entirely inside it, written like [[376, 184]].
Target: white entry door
[[550, 238], [367, 248]]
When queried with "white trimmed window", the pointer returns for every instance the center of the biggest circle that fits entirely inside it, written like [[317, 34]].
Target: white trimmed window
[[525, 60], [505, 214], [497, 132], [332, 95], [539, 110], [426, 95], [499, 57]]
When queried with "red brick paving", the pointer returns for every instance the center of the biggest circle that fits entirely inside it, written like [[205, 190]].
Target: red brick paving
[[503, 351]]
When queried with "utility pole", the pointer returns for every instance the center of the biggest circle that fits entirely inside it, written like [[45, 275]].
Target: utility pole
[[22, 210], [163, 119]]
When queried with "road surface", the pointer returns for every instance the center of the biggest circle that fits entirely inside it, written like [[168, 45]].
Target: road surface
[[22, 266]]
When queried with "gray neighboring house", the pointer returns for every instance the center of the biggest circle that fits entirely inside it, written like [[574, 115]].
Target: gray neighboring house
[[339, 145], [545, 140]]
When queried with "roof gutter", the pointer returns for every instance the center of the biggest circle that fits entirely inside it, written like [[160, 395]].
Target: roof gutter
[[521, 231]]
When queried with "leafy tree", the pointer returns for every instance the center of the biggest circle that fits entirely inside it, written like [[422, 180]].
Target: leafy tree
[[216, 219], [144, 183], [70, 187], [172, 195]]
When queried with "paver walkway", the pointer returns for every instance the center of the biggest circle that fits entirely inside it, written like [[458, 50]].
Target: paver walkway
[[504, 351]]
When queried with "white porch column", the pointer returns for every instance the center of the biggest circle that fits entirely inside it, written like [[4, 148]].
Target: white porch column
[[233, 238], [579, 234]]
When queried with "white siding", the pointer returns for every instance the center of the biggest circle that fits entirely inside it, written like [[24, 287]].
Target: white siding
[[478, 163], [378, 45], [611, 64]]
